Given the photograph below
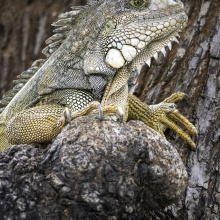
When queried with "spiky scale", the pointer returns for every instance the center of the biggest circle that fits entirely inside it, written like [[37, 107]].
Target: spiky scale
[[29, 73], [169, 45], [69, 14], [74, 13], [45, 51], [163, 51], [9, 94], [175, 39], [37, 63], [63, 22], [18, 81], [32, 69], [55, 37], [18, 86], [156, 56], [6, 100], [81, 7], [25, 75], [55, 44], [148, 62], [61, 29]]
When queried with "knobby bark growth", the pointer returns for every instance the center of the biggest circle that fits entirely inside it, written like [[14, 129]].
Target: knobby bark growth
[[193, 66], [93, 170]]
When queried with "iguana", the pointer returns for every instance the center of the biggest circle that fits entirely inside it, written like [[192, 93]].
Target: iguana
[[95, 52]]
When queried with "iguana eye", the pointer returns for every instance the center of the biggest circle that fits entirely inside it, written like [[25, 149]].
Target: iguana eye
[[138, 3]]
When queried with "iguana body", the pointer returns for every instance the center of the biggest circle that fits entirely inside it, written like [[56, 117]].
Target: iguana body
[[92, 58]]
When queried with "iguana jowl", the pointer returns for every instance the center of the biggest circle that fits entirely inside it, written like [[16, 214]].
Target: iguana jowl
[[90, 58]]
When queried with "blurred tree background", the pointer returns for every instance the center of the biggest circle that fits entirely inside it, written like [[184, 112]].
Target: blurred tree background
[[24, 27], [193, 66]]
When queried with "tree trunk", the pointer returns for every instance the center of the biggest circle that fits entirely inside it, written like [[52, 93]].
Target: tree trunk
[[193, 67]]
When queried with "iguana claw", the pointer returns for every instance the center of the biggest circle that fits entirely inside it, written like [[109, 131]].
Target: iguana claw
[[187, 98], [111, 110], [100, 112], [67, 115]]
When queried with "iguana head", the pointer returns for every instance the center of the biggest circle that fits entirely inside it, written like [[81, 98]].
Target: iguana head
[[140, 29]]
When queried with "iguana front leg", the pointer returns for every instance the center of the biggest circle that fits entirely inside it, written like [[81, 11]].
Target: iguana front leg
[[156, 116], [115, 99], [162, 114]]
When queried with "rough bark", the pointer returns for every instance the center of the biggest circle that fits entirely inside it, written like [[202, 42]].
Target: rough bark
[[93, 170], [193, 67]]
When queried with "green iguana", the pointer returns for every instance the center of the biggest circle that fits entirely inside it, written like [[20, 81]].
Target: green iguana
[[95, 51]]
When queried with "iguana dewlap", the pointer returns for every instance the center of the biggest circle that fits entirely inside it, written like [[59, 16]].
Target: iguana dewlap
[[91, 57]]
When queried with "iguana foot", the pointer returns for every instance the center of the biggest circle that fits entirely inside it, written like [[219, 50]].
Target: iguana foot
[[162, 115]]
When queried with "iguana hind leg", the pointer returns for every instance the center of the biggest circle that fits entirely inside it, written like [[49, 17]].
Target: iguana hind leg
[[36, 125], [42, 123]]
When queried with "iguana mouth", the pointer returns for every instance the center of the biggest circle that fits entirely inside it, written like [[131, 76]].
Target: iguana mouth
[[143, 39]]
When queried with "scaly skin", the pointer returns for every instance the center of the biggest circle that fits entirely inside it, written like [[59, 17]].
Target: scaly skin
[[89, 61]]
